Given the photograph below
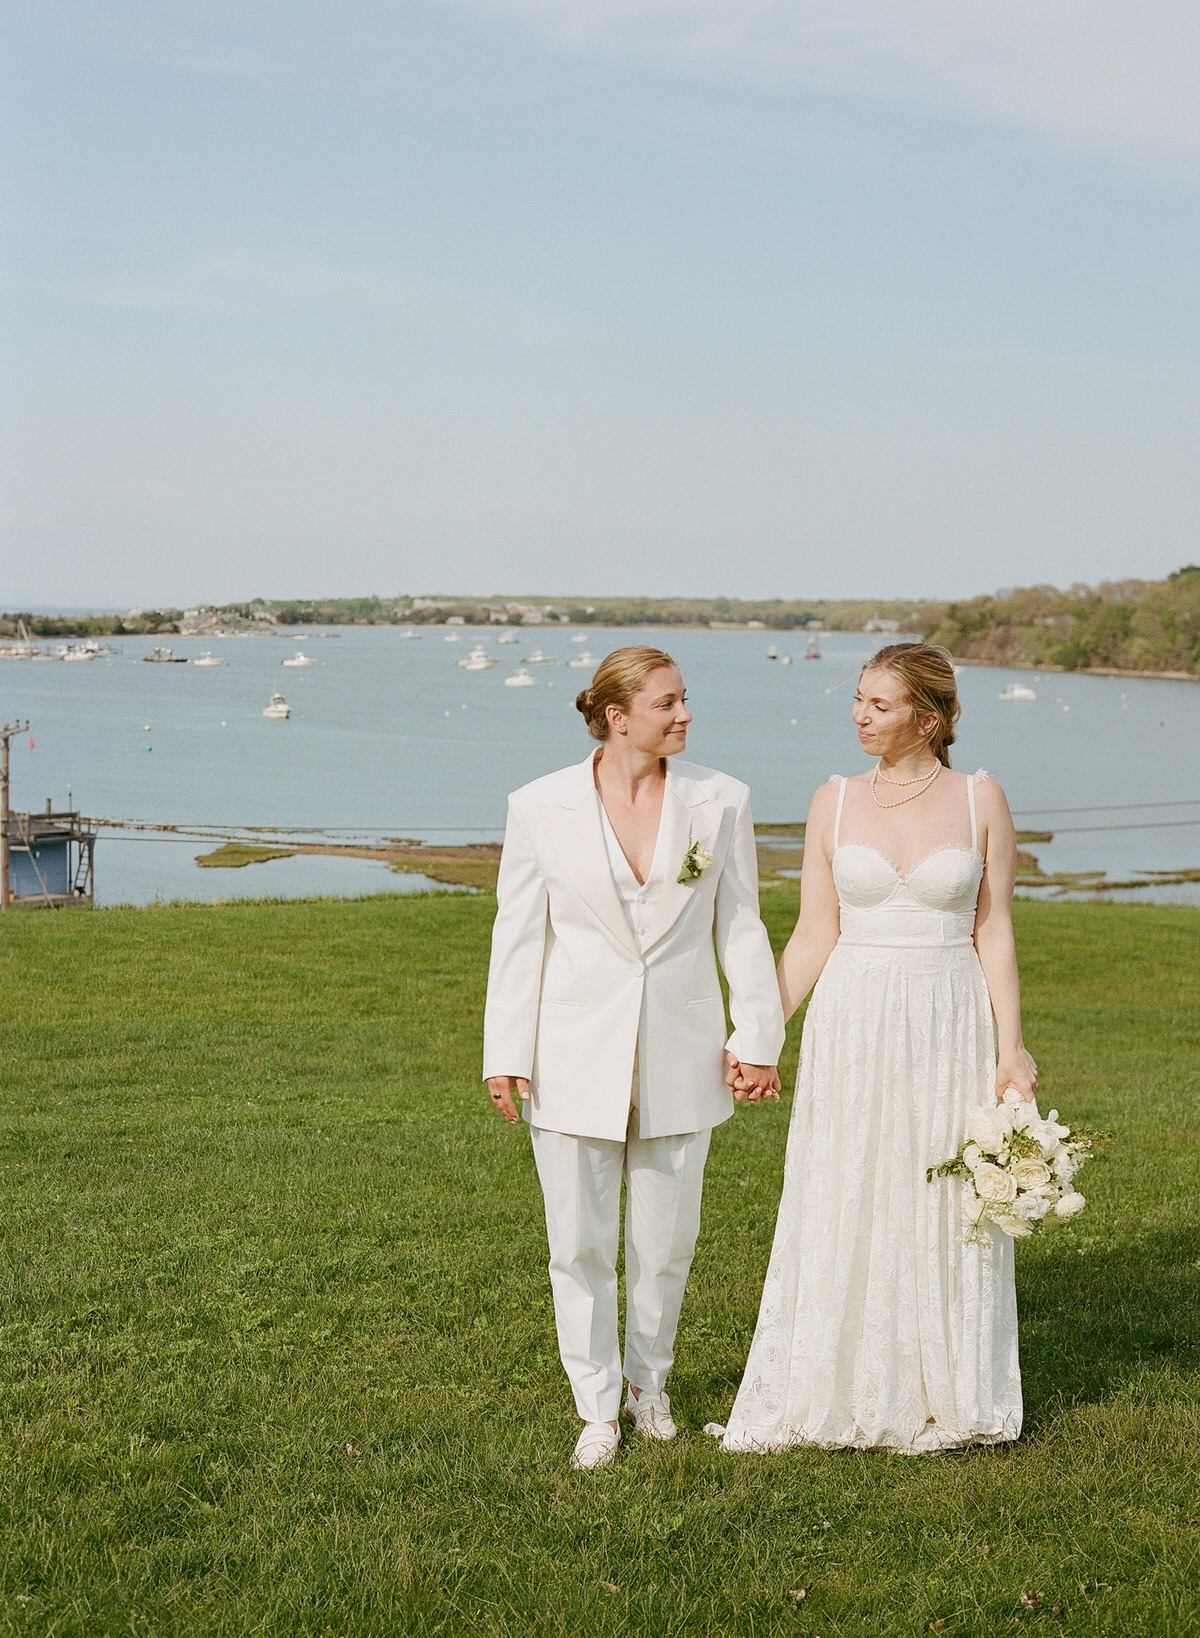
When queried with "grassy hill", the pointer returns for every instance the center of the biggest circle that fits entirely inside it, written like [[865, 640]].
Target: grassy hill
[[277, 1353]]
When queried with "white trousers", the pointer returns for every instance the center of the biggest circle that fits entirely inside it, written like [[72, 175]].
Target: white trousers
[[581, 1184]]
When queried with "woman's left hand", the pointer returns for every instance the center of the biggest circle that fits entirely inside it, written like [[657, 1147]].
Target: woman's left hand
[[1016, 1069]]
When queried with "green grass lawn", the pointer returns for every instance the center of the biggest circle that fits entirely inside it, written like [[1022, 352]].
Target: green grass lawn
[[276, 1347]]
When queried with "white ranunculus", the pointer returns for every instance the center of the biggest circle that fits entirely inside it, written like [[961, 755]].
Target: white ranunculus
[[989, 1128], [994, 1185], [1030, 1208], [1070, 1205], [1030, 1174]]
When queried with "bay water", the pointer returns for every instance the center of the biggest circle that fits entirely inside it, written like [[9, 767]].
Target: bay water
[[390, 737]]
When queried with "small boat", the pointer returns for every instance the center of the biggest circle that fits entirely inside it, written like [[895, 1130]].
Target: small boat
[[278, 710], [812, 649], [452, 637], [409, 636], [508, 637], [76, 652], [207, 658], [299, 659], [772, 652], [1017, 691], [538, 658], [579, 637], [477, 660], [583, 660], [164, 656], [785, 659], [520, 679]]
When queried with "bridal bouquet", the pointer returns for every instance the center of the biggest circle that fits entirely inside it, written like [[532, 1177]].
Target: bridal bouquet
[[1019, 1168]]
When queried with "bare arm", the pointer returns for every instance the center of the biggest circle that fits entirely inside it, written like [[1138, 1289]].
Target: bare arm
[[994, 940], [816, 931]]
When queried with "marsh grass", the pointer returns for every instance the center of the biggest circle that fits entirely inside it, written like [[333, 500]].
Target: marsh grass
[[277, 1355]]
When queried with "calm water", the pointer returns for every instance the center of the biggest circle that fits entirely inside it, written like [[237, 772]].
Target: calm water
[[390, 737]]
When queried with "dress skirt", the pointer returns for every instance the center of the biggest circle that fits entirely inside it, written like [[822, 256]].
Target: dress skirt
[[880, 1327]]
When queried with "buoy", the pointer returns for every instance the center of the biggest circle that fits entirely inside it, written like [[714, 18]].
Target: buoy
[[145, 727], [147, 747], [31, 742]]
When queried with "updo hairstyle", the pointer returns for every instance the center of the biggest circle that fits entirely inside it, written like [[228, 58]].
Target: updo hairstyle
[[619, 676], [927, 673]]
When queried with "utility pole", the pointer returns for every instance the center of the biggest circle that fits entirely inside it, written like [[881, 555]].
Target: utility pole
[[6, 733]]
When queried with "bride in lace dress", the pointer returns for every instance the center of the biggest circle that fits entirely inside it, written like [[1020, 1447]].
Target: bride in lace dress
[[880, 1327]]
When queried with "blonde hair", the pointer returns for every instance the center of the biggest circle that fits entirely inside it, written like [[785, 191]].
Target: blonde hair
[[619, 676], [927, 673]]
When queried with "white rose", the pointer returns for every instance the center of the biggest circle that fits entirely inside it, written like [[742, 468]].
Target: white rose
[[1030, 1174], [989, 1128], [1070, 1205], [995, 1186]]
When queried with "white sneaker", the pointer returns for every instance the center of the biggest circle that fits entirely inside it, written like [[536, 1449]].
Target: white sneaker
[[652, 1415], [597, 1447]]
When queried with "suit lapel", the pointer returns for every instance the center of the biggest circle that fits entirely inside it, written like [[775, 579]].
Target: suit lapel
[[578, 842], [684, 810]]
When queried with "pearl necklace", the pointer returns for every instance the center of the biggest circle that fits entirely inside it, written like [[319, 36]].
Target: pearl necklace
[[920, 779], [924, 787]]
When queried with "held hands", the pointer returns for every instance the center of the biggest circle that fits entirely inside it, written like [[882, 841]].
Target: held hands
[[1017, 1069], [501, 1088], [752, 1083]]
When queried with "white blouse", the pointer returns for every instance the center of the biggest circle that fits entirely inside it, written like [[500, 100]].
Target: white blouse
[[637, 899]]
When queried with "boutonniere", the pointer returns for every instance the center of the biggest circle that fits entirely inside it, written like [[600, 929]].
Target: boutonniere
[[695, 861]]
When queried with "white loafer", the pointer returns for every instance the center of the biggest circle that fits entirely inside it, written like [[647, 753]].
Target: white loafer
[[597, 1447], [652, 1415]]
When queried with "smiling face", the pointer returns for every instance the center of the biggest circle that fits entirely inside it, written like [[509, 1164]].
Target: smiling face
[[656, 722], [886, 722]]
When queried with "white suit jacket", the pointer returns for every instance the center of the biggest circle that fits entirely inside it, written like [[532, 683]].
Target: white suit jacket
[[571, 994]]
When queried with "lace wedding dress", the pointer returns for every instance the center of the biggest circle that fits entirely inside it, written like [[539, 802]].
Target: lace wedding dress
[[880, 1327]]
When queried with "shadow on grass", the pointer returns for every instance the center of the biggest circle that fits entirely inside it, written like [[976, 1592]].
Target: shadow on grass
[[1093, 1316]]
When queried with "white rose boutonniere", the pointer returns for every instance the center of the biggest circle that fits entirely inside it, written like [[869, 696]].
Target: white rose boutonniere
[[696, 861]]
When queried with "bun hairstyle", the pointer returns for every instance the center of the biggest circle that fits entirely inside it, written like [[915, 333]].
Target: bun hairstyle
[[619, 676], [927, 673]]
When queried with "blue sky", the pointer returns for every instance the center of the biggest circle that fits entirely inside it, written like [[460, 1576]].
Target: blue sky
[[646, 296]]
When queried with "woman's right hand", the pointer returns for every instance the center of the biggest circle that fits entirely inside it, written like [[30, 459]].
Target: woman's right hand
[[500, 1088]]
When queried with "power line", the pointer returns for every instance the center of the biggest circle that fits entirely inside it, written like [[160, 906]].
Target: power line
[[1111, 807]]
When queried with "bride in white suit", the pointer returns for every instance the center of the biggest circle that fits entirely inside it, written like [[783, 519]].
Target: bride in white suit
[[623, 879]]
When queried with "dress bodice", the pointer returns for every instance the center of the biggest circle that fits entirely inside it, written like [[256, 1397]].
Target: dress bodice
[[933, 905]]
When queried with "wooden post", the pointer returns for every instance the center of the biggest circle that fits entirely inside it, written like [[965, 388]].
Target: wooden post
[[6, 733]]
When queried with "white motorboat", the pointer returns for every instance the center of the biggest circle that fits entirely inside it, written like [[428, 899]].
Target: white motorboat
[[74, 651], [1017, 691], [278, 710], [508, 637], [477, 660], [164, 656], [538, 658], [299, 659], [520, 679], [772, 653], [409, 636], [207, 658], [579, 637], [452, 637], [583, 660]]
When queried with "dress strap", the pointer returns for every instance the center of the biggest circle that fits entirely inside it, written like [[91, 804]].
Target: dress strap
[[837, 818], [971, 782]]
